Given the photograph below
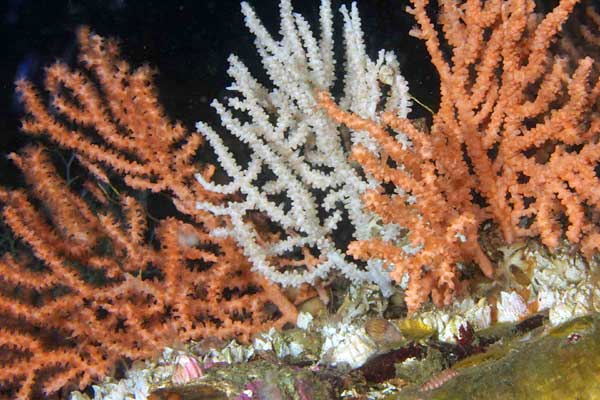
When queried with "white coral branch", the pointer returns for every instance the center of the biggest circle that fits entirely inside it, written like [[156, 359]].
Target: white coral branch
[[310, 188]]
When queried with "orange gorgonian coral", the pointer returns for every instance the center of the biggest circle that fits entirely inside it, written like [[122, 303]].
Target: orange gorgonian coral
[[515, 140], [92, 284]]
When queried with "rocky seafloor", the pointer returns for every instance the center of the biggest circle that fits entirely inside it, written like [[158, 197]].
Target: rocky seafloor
[[533, 333]]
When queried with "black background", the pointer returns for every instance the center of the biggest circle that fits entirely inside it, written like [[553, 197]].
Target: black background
[[187, 41]]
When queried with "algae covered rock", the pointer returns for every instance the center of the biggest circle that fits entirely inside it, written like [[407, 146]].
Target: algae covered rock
[[560, 363]]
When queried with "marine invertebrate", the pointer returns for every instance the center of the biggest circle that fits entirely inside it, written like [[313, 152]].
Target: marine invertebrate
[[439, 380], [514, 141], [187, 368], [298, 177], [89, 285]]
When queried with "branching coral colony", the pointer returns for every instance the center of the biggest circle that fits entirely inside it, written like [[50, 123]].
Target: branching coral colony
[[93, 289], [514, 141], [515, 127], [298, 177]]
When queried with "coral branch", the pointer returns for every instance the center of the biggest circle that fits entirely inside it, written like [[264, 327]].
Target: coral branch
[[514, 140], [89, 285]]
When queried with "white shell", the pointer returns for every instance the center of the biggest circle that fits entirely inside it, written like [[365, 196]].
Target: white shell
[[447, 322], [511, 307], [346, 344]]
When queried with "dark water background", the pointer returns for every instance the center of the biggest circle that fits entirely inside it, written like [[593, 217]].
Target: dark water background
[[188, 42]]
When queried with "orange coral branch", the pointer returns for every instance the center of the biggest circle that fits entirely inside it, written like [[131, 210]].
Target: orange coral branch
[[516, 126], [129, 300], [137, 140], [93, 290], [442, 233]]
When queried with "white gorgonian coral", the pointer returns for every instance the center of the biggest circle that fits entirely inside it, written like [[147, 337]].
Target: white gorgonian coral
[[298, 175]]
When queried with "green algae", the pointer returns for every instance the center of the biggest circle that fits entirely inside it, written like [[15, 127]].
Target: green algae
[[418, 371], [561, 364], [233, 379]]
